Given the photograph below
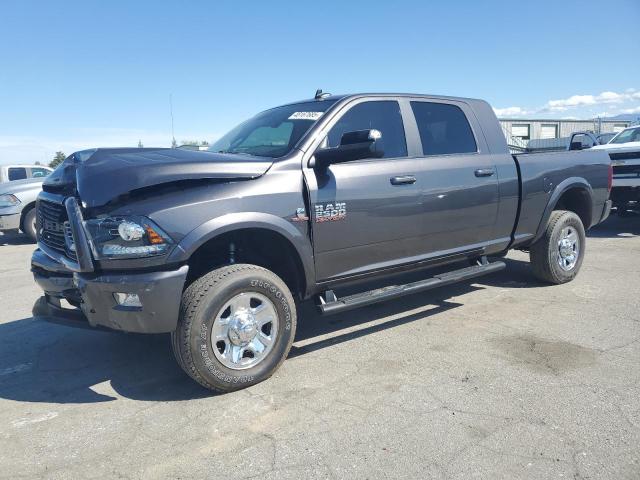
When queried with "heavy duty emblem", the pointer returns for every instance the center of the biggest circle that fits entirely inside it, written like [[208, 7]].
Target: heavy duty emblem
[[331, 212]]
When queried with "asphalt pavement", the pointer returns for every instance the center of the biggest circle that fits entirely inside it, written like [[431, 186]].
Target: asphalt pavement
[[502, 377]]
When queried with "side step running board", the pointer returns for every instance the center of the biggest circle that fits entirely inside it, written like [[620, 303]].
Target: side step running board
[[330, 304]]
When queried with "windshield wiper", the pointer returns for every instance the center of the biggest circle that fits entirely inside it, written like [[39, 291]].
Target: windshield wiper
[[235, 152]]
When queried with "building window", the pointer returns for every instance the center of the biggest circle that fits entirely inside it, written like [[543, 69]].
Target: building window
[[522, 131], [549, 130]]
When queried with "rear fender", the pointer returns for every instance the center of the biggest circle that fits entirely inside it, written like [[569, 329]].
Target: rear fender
[[561, 189]]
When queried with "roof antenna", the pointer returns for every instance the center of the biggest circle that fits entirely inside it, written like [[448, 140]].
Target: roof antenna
[[320, 95]]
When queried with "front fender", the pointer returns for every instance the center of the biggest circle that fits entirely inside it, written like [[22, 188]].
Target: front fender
[[241, 220], [560, 189]]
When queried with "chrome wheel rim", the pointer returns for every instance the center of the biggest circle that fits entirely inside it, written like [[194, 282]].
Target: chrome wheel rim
[[568, 248], [244, 330]]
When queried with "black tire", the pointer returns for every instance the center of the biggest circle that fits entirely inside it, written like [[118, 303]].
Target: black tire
[[29, 224], [201, 304], [545, 253]]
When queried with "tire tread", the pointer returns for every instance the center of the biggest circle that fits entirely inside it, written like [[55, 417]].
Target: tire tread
[[191, 300], [540, 253]]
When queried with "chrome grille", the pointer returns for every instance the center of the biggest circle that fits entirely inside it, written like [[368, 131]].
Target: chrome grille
[[53, 227]]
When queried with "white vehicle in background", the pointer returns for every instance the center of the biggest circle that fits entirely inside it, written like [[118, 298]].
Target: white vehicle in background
[[17, 205], [624, 151], [629, 137], [9, 173]]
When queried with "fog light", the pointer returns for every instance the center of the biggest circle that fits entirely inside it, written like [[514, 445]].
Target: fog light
[[127, 299]]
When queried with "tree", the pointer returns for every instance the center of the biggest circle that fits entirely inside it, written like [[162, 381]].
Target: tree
[[57, 160], [195, 143]]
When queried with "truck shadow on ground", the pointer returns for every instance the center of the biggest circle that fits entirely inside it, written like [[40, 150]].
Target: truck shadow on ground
[[42, 362]]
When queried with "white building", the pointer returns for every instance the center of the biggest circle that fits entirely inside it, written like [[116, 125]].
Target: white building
[[520, 131]]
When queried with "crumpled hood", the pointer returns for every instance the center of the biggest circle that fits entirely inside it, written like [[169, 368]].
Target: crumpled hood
[[103, 174]]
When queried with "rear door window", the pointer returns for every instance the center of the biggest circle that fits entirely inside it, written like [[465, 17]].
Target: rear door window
[[444, 129], [17, 173], [37, 172], [384, 116]]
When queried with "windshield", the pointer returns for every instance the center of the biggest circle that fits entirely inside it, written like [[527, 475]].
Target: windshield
[[629, 135], [272, 133]]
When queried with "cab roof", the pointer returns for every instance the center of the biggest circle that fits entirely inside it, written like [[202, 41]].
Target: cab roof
[[335, 98]]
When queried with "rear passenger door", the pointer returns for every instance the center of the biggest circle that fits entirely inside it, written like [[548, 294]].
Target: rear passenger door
[[459, 183]]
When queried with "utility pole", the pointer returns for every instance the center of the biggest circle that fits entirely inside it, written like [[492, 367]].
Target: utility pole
[[173, 137]]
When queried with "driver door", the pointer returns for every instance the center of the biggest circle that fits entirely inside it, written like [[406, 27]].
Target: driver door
[[366, 214]]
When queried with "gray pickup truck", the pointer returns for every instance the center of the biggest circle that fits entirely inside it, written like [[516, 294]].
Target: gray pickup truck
[[297, 202]]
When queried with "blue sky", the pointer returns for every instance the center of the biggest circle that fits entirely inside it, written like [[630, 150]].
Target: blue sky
[[79, 74]]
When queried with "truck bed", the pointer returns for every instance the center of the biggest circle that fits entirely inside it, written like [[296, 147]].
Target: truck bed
[[551, 173]]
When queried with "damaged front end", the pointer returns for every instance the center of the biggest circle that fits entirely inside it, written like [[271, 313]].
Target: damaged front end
[[133, 302], [105, 261]]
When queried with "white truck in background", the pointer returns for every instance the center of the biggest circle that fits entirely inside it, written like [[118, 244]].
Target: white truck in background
[[10, 173], [624, 151], [17, 206]]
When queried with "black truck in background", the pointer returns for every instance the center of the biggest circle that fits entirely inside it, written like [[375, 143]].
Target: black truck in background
[[301, 200]]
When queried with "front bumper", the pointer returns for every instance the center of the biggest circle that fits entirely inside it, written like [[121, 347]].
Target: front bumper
[[93, 295], [92, 292], [10, 222]]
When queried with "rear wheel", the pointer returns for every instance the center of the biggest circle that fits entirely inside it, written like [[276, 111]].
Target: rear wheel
[[29, 224], [557, 256], [237, 324]]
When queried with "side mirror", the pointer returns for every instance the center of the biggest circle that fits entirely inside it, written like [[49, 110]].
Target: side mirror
[[355, 145]]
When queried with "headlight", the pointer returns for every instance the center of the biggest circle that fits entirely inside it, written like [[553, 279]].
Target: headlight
[[8, 200], [126, 237]]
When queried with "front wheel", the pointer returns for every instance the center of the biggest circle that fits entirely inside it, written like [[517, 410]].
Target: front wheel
[[236, 326], [29, 224], [557, 256]]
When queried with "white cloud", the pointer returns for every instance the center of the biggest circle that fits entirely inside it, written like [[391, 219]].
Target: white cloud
[[510, 112], [604, 98], [581, 105]]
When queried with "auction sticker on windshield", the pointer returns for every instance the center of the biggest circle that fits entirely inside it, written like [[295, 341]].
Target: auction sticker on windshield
[[305, 115]]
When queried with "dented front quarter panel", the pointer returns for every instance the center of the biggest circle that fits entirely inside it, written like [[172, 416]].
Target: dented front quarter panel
[[194, 215]]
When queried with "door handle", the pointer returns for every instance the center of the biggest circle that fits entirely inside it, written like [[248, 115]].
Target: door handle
[[484, 172], [403, 180]]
